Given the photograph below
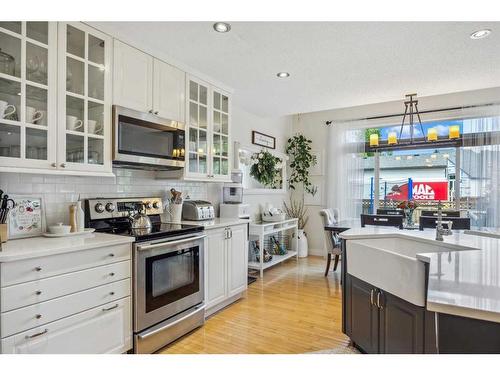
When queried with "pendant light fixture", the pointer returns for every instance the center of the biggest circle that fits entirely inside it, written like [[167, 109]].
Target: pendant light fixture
[[411, 109]]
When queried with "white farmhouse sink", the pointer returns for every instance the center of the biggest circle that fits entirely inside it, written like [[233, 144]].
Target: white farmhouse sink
[[391, 264]]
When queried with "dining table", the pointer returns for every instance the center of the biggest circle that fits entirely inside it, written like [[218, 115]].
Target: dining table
[[343, 225]]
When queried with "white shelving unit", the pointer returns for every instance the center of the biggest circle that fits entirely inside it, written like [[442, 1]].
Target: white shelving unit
[[261, 230]]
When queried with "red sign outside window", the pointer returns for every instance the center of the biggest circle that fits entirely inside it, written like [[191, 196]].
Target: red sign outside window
[[422, 191]]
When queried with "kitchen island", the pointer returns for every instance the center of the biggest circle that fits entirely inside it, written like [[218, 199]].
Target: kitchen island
[[406, 292]]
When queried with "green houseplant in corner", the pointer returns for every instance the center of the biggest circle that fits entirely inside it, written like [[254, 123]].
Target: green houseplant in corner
[[299, 150]]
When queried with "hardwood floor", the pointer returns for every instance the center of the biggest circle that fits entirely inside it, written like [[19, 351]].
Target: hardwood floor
[[296, 309]]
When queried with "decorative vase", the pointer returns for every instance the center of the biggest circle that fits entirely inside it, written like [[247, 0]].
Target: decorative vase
[[303, 245], [409, 217]]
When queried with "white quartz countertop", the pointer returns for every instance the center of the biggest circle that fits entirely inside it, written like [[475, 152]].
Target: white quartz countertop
[[463, 281], [25, 248], [218, 222]]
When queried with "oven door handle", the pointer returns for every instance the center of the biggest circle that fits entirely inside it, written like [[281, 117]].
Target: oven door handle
[[143, 336], [163, 244]]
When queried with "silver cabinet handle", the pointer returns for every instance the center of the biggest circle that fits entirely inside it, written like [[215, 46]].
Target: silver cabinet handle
[[378, 301], [156, 112], [54, 165], [63, 165], [38, 269], [112, 274], [111, 293], [37, 334], [111, 255], [38, 292], [151, 111], [230, 233], [38, 316], [371, 297], [111, 308]]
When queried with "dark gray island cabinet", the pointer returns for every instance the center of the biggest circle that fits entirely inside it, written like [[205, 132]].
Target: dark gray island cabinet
[[379, 322]]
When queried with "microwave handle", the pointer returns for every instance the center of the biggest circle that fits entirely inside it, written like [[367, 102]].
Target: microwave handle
[[163, 244]]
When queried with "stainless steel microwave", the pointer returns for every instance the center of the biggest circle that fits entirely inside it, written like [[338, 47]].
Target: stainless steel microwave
[[146, 141]]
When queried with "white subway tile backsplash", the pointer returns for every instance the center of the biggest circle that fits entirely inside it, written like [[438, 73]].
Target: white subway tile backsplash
[[58, 192]]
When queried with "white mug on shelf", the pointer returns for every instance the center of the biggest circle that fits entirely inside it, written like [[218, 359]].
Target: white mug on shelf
[[73, 123], [93, 128], [43, 118], [32, 115], [6, 109]]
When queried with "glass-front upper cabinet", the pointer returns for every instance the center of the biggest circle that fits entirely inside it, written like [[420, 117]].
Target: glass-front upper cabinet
[[220, 134], [208, 126], [197, 127], [28, 69], [84, 98]]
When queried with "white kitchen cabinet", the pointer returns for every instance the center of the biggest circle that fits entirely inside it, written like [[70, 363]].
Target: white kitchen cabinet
[[132, 78], [215, 260], [74, 302], [84, 103], [146, 84], [57, 89], [105, 329], [226, 271], [169, 88], [28, 95], [237, 260], [208, 155]]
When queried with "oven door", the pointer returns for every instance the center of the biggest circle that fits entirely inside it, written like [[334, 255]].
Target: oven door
[[169, 278], [146, 139]]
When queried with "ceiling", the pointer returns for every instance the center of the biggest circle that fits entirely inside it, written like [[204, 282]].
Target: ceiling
[[331, 64]]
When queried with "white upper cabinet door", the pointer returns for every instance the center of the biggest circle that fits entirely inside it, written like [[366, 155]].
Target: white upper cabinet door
[[28, 95], [221, 133], [237, 260], [169, 91], [84, 99], [132, 78], [215, 267]]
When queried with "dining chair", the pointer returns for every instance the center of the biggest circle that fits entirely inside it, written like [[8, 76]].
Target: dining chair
[[382, 220], [332, 242]]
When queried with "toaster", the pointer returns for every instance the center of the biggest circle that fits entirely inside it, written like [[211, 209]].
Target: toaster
[[197, 210]]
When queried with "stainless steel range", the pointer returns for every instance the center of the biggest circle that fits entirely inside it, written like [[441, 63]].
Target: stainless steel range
[[167, 268]]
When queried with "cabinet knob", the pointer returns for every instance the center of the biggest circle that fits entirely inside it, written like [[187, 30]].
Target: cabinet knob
[[111, 255], [156, 112], [111, 293], [54, 165], [63, 165], [38, 269], [38, 292], [38, 316], [112, 274], [151, 111]]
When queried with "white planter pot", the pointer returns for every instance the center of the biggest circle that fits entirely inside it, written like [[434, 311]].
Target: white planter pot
[[303, 246]]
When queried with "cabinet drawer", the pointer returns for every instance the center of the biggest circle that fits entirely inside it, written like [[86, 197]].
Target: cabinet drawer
[[19, 320], [38, 268], [25, 294], [104, 329]]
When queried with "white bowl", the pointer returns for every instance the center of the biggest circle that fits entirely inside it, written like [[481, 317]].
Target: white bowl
[[59, 228]]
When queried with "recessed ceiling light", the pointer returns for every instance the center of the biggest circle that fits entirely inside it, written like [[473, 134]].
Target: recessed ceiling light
[[283, 74], [480, 34], [222, 27]]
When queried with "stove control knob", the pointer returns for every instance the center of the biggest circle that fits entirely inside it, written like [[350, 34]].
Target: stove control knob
[[148, 205], [156, 205], [99, 207], [110, 207]]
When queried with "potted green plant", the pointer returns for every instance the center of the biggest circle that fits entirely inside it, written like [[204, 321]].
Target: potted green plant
[[266, 169], [299, 150]]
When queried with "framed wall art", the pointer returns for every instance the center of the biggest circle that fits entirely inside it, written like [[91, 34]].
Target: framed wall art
[[263, 140], [27, 218]]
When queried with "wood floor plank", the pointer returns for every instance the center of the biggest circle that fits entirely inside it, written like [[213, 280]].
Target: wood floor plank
[[295, 309]]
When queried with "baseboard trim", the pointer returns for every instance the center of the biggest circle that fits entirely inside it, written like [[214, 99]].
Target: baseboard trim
[[317, 252]]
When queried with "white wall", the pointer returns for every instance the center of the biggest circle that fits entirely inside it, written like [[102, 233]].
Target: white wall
[[312, 125]]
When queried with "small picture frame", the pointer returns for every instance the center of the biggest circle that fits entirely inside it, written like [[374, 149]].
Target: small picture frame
[[263, 140], [27, 218]]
